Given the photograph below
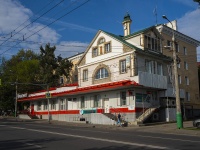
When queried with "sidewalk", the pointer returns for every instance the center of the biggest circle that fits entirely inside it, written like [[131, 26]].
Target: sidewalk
[[167, 128]]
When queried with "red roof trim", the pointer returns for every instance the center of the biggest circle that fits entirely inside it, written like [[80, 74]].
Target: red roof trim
[[86, 89]]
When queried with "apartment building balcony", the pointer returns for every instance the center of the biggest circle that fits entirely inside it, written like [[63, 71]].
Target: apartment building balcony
[[151, 80]]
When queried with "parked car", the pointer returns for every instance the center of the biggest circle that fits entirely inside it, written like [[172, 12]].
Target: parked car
[[196, 123]]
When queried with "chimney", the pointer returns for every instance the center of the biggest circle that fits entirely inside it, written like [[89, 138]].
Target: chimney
[[174, 25]]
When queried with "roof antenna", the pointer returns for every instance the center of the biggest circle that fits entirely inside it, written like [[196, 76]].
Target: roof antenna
[[155, 13]]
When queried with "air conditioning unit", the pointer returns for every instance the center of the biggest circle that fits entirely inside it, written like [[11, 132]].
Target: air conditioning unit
[[155, 117]]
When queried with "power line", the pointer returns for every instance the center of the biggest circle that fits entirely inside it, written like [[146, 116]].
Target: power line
[[32, 22], [58, 13], [58, 18], [36, 13], [49, 24]]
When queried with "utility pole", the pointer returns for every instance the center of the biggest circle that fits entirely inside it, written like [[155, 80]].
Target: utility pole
[[48, 103], [177, 90], [16, 98]]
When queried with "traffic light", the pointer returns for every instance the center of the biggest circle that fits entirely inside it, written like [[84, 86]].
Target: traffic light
[[48, 95]]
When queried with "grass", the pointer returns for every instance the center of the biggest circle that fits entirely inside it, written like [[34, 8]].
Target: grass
[[192, 128]]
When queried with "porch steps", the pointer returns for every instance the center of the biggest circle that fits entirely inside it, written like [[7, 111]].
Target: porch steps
[[111, 116], [32, 116], [145, 115]]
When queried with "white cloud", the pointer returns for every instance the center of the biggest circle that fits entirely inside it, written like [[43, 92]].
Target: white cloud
[[189, 25], [12, 15], [69, 25], [70, 48], [190, 3]]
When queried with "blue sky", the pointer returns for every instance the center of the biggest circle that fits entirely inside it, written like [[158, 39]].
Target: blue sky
[[82, 19]]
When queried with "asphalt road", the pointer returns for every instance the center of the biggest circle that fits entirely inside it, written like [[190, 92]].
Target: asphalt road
[[18, 135]]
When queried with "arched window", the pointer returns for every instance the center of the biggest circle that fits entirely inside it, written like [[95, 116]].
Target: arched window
[[101, 73], [101, 40]]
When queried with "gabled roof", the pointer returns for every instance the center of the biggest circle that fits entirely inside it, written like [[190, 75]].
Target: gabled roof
[[116, 37], [123, 39], [143, 31]]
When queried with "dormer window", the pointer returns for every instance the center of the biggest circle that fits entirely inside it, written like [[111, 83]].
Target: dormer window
[[102, 47], [94, 52], [107, 48], [152, 43]]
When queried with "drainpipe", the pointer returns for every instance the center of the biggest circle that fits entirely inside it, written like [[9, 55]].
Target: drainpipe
[[132, 65]]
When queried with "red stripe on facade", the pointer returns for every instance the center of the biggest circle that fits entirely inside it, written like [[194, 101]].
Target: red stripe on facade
[[100, 110]]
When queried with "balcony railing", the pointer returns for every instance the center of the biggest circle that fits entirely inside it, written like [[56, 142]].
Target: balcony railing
[[151, 80]]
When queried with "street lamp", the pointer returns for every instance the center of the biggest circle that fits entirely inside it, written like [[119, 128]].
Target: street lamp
[[178, 105]]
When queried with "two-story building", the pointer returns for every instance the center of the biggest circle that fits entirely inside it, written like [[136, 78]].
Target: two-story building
[[129, 74]]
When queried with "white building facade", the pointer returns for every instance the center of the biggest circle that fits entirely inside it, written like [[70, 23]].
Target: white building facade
[[127, 74]]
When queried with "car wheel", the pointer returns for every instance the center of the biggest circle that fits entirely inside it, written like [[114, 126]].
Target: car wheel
[[198, 125]]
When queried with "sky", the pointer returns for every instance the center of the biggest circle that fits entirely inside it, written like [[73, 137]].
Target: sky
[[71, 25]]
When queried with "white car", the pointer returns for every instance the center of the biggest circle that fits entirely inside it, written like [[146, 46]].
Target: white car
[[196, 123]]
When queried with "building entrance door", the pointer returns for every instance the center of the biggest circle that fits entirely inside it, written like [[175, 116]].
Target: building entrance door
[[106, 105]]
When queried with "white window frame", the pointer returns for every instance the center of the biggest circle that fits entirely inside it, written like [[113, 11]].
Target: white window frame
[[95, 52], [62, 104], [185, 65], [179, 79], [149, 65], [101, 74], [122, 96], [122, 66], [177, 48], [184, 50], [85, 75], [186, 80], [53, 105], [153, 43], [97, 100], [107, 47]]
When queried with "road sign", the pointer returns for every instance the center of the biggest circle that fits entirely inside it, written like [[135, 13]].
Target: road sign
[[48, 95]]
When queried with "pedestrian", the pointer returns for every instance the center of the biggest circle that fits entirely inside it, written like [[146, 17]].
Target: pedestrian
[[119, 119]]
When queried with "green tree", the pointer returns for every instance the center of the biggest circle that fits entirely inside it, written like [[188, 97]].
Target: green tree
[[21, 68], [51, 67]]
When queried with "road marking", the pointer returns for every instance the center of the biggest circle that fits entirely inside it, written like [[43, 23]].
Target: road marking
[[68, 128], [167, 138], [30, 144], [97, 139]]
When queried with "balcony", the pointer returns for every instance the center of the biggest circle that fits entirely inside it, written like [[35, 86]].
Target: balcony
[[151, 80]]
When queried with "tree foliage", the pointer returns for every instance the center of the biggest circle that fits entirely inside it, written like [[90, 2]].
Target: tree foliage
[[21, 68], [51, 67], [27, 68]]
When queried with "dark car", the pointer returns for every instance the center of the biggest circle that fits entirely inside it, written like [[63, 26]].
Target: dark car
[[196, 123]]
